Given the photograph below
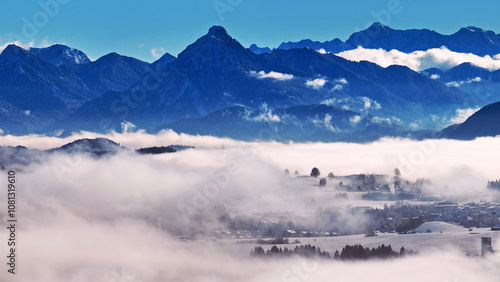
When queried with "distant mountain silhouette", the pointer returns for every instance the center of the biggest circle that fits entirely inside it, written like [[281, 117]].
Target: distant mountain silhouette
[[95, 147], [378, 36], [485, 122], [258, 50]]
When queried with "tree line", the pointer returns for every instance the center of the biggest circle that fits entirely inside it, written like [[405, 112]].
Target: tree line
[[354, 252], [494, 184]]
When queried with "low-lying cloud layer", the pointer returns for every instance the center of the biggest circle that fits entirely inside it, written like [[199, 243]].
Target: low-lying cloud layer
[[271, 74], [462, 82], [441, 58], [317, 83], [115, 218]]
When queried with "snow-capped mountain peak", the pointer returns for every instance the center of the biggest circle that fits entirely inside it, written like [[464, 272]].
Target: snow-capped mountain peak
[[59, 54]]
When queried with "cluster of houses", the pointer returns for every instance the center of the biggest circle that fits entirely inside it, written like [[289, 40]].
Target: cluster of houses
[[388, 219], [479, 215]]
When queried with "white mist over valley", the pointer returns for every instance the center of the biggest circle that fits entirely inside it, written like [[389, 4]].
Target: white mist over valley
[[130, 217]]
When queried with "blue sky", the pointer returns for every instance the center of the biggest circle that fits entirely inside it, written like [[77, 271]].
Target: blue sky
[[135, 28]]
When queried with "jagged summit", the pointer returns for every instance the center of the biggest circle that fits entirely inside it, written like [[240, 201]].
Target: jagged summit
[[163, 61], [216, 44], [474, 29], [378, 25], [221, 35], [59, 54], [218, 31], [12, 51], [12, 48]]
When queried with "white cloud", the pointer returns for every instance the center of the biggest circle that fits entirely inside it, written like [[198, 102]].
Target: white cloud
[[271, 74], [157, 52], [322, 51], [380, 120], [414, 125], [1, 131], [27, 112], [325, 122], [435, 76], [340, 84], [453, 84], [341, 80], [317, 83], [462, 82], [370, 104], [441, 58], [388, 121], [462, 115], [396, 120], [355, 119], [127, 127], [336, 101], [338, 87], [46, 43], [329, 102], [266, 115], [328, 125]]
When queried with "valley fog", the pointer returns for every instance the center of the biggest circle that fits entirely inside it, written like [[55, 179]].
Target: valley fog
[[126, 217]]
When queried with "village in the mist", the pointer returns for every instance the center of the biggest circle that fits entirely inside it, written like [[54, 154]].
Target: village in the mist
[[122, 206]]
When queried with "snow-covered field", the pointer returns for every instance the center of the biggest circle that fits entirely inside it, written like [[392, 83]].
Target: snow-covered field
[[444, 236], [443, 257]]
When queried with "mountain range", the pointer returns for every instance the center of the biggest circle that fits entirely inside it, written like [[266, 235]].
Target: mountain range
[[218, 87], [483, 83], [467, 40]]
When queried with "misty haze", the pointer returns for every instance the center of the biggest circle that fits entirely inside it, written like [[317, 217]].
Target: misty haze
[[202, 209]]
